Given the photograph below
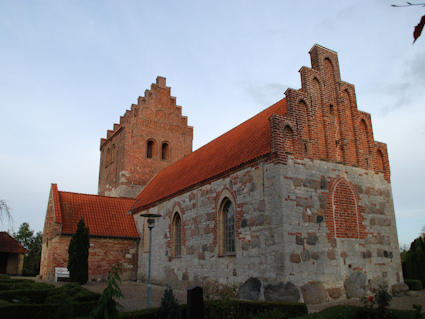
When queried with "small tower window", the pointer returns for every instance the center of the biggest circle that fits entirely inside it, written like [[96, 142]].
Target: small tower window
[[113, 153], [108, 157], [165, 151], [149, 152]]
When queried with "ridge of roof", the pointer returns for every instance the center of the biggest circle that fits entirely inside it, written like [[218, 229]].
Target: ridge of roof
[[245, 142], [95, 195]]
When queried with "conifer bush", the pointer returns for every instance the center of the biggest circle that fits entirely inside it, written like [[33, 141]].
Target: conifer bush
[[170, 308], [414, 263], [78, 254], [107, 306]]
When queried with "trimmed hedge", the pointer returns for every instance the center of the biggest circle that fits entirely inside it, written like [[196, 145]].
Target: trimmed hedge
[[25, 285], [414, 284], [81, 309], [25, 296], [354, 312], [287, 309], [70, 300], [149, 313], [72, 292], [244, 309], [5, 280]]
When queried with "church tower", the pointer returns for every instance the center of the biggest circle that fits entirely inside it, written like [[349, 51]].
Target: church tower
[[152, 135]]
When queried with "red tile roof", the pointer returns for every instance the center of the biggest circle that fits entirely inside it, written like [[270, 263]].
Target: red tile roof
[[104, 216], [10, 245], [245, 142]]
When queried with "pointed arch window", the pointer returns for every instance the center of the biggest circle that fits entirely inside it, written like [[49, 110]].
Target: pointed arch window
[[227, 227], [176, 235]]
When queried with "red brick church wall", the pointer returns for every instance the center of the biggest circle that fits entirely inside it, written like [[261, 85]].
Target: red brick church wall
[[103, 254]]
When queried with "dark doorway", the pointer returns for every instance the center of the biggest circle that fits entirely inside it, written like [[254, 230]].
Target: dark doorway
[[3, 262]]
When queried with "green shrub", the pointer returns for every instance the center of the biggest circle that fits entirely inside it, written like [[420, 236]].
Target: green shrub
[[414, 284], [26, 296], [414, 263], [355, 312], [107, 307], [4, 303], [169, 308], [219, 299], [15, 280], [285, 309], [141, 314], [26, 285], [17, 311], [149, 313], [4, 277], [78, 254], [74, 291]]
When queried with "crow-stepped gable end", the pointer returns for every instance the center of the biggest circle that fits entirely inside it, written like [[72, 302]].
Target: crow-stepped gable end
[[295, 199], [151, 135]]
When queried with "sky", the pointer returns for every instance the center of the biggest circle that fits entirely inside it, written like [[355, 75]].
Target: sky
[[70, 69]]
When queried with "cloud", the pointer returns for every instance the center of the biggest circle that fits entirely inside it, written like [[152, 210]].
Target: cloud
[[403, 91], [416, 69], [265, 94]]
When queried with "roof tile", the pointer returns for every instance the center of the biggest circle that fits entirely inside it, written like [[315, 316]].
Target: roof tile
[[104, 216], [10, 245], [245, 142]]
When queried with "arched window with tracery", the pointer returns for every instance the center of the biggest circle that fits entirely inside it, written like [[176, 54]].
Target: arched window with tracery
[[227, 229], [176, 241]]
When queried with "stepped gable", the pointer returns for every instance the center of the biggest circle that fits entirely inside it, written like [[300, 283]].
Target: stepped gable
[[157, 104], [104, 216], [246, 142], [152, 135], [10, 245]]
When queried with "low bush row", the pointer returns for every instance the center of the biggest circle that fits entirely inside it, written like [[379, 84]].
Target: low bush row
[[414, 284], [30, 301], [47, 311], [356, 312], [238, 309], [24, 285]]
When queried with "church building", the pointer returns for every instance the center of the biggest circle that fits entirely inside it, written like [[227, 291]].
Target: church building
[[293, 204]]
